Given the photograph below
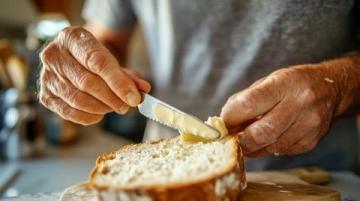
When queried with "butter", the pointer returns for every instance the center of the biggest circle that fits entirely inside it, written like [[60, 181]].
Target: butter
[[215, 122], [165, 115], [219, 124], [193, 130], [192, 138], [190, 125]]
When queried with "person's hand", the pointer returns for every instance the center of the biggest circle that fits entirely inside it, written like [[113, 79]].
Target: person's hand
[[81, 80], [284, 113]]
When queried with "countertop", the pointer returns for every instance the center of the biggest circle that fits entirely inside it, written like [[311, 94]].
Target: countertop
[[64, 166], [347, 183]]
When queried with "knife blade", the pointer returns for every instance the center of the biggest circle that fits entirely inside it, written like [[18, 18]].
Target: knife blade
[[170, 116]]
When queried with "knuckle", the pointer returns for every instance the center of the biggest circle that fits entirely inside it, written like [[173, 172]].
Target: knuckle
[[65, 32], [272, 148], [44, 77], [70, 115], [261, 132], [69, 35], [246, 103], [280, 71], [123, 83], [43, 98], [43, 94], [273, 84], [76, 98], [225, 114], [66, 112], [97, 60], [315, 120], [226, 109], [48, 53], [55, 86], [308, 95], [86, 81], [283, 144], [272, 80], [246, 142], [284, 73], [308, 145], [70, 32], [232, 97]]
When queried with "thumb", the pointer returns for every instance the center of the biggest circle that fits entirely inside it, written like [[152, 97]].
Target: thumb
[[247, 105]]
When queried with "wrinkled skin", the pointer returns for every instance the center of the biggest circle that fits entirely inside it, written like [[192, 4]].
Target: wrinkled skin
[[285, 113], [82, 81]]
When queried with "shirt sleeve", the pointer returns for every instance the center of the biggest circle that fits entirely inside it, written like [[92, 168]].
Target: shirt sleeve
[[115, 14]]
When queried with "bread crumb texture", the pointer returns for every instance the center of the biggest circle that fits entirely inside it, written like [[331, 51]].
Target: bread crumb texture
[[166, 163]]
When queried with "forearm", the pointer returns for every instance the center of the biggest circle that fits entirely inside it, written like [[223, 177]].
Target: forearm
[[344, 74]]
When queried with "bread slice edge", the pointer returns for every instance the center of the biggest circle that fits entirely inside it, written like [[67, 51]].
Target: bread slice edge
[[227, 182]]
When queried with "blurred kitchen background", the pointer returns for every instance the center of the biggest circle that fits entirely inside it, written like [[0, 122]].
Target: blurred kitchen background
[[40, 152]]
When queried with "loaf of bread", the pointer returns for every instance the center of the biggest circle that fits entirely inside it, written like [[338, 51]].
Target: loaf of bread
[[171, 170]]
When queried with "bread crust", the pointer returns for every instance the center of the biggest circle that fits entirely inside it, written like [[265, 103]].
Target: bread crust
[[222, 186]]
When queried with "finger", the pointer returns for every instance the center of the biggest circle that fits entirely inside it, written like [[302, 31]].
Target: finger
[[252, 102], [73, 96], [58, 106], [308, 143], [141, 84], [306, 124], [246, 147], [241, 127], [285, 141], [64, 65], [268, 129], [91, 54], [288, 139], [257, 82], [259, 153]]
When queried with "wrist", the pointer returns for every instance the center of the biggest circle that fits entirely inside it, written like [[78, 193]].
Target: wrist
[[344, 75]]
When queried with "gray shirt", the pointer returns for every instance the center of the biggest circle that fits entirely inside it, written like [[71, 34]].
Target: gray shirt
[[205, 50]]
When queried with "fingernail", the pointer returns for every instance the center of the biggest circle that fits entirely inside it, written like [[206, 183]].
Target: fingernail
[[123, 109], [132, 99]]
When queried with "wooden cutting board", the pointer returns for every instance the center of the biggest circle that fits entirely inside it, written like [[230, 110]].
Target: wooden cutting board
[[291, 185]]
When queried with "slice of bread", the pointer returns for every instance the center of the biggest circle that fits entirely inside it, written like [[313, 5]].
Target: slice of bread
[[171, 170]]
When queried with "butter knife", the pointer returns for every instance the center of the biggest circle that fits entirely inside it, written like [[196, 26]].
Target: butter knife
[[170, 116]]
